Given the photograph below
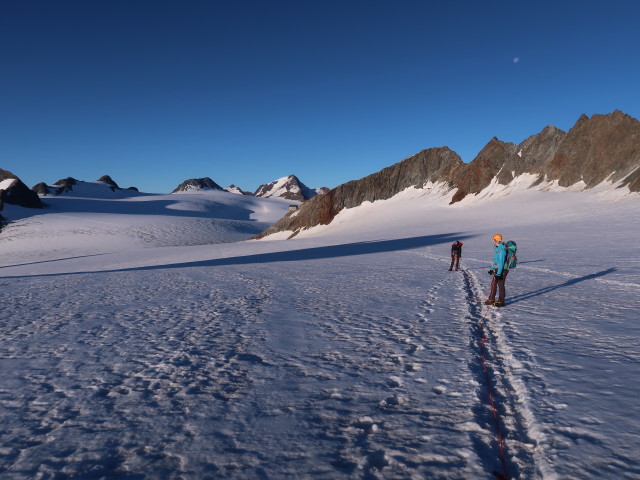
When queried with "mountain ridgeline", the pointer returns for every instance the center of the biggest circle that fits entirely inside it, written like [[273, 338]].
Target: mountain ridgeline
[[596, 149], [289, 188], [603, 147]]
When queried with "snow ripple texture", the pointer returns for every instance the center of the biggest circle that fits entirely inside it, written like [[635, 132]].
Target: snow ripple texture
[[344, 357]]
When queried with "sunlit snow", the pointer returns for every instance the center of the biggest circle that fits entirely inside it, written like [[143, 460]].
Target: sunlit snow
[[144, 338]]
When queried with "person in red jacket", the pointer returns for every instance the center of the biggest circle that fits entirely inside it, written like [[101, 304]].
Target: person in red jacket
[[456, 253]]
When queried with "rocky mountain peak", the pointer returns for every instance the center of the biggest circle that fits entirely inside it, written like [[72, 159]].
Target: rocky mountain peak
[[289, 187], [109, 181], [604, 147], [538, 149], [41, 189], [237, 190], [431, 165], [14, 192], [194, 184], [65, 185], [595, 149]]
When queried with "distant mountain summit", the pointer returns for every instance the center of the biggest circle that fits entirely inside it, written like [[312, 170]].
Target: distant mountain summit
[[70, 184], [597, 149], [195, 184], [13, 191], [61, 186], [603, 147], [64, 185], [290, 188], [109, 181], [237, 190]]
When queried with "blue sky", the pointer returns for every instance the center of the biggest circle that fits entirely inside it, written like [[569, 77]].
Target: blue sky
[[155, 92]]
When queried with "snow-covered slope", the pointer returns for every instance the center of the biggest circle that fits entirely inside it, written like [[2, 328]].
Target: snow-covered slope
[[93, 219], [4, 184], [290, 188], [237, 190], [348, 352]]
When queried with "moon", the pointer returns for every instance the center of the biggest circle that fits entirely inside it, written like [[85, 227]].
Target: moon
[[516, 59]]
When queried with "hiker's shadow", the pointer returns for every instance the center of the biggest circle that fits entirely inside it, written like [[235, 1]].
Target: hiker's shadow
[[568, 283]]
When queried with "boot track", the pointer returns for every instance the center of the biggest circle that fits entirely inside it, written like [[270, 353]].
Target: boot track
[[513, 451]]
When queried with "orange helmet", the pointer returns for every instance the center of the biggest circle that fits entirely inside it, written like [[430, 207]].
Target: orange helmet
[[497, 237]]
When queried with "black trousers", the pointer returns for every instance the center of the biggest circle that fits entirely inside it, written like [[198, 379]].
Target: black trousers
[[498, 285], [456, 259]]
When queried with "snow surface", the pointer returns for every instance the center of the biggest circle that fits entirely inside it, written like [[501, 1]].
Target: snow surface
[[135, 346], [234, 189], [5, 184]]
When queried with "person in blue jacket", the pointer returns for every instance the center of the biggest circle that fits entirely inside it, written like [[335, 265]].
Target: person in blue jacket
[[498, 271]]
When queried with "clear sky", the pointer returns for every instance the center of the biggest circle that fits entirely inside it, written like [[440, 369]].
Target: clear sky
[[155, 92]]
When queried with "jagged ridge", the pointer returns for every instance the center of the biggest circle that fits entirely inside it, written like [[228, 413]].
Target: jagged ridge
[[204, 183], [290, 188], [604, 147]]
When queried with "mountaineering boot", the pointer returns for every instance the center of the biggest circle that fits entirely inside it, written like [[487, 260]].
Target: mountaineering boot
[[498, 304], [489, 302]]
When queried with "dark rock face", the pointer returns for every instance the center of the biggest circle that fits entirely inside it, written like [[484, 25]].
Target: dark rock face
[[17, 193], [435, 164], [234, 189], [109, 181], [197, 184], [504, 161], [537, 150], [41, 189], [65, 185], [290, 188], [596, 149], [604, 147], [490, 162]]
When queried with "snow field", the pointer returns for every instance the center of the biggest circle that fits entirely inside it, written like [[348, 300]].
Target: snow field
[[350, 352]]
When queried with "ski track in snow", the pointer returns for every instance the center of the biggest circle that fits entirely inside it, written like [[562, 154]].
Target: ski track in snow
[[517, 424], [519, 372]]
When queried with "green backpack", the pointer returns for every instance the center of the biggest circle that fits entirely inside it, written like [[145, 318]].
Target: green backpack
[[511, 260]]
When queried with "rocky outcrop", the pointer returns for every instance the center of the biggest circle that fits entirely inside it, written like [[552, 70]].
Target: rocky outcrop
[[504, 161], [194, 184], [69, 184], [41, 189], [432, 165], [290, 188], [65, 185], [494, 160], [109, 181], [14, 192], [603, 147], [537, 150], [237, 190]]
